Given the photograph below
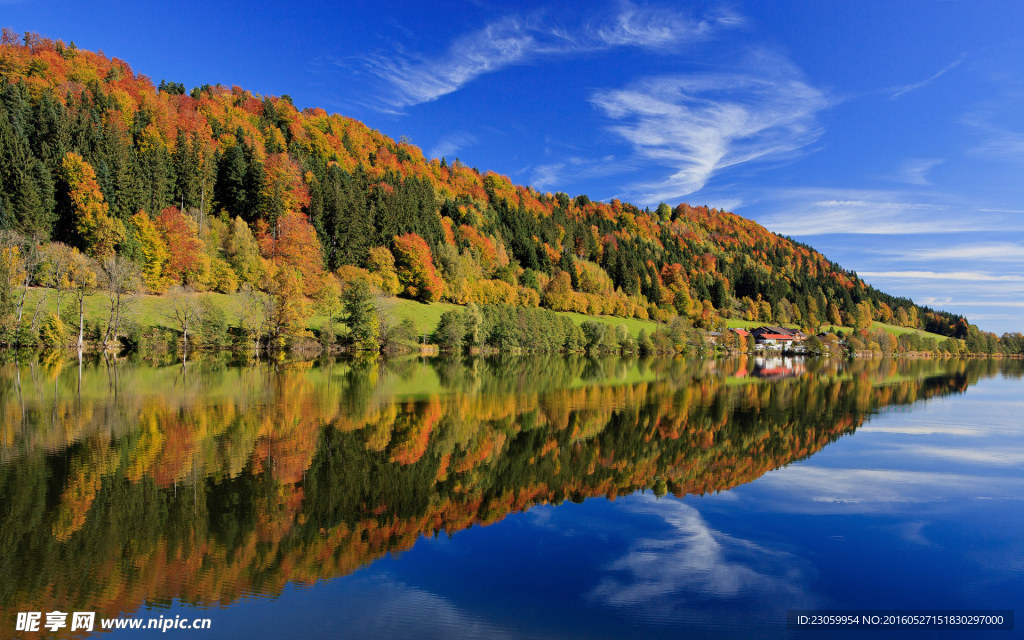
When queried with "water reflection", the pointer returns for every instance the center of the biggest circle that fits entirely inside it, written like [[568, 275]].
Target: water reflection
[[698, 561], [124, 483]]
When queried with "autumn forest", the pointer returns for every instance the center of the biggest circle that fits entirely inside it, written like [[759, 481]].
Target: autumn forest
[[108, 179]]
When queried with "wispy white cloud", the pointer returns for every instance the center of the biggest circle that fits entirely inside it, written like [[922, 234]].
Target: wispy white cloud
[[970, 292], [872, 217], [905, 89], [554, 174], [1000, 142], [546, 176], [814, 211], [915, 170], [1010, 304], [1005, 145], [517, 39], [1002, 252], [942, 250], [699, 124], [655, 28], [451, 144], [961, 293], [414, 80], [724, 204], [970, 276]]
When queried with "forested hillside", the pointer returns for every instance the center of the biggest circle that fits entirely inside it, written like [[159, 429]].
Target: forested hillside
[[216, 188]]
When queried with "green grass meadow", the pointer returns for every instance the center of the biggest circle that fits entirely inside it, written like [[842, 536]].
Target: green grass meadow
[[153, 311], [426, 316]]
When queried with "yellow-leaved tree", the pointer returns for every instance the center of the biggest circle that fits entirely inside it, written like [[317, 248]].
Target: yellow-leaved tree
[[98, 232], [154, 251]]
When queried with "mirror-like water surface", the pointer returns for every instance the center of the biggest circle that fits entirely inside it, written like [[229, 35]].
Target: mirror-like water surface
[[525, 497]]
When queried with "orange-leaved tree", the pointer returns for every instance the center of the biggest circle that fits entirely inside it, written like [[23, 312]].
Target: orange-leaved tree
[[187, 260], [416, 271], [284, 188], [292, 242]]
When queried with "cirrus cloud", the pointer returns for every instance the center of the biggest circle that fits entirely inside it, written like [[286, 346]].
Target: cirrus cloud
[[700, 124], [517, 39]]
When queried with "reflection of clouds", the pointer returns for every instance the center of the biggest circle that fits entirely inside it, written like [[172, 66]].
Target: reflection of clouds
[[695, 562], [379, 607], [540, 517], [808, 489], [926, 430], [1001, 456], [549, 517], [914, 532]]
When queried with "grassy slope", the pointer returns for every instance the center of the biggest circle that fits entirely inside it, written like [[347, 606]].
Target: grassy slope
[[893, 329], [426, 316], [152, 311], [147, 311]]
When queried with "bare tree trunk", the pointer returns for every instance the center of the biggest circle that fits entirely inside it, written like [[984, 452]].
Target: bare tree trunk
[[39, 306], [114, 319], [24, 292], [117, 317], [81, 326], [110, 320]]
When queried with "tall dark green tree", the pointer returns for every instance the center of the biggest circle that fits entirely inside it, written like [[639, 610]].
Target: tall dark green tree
[[230, 187], [361, 317]]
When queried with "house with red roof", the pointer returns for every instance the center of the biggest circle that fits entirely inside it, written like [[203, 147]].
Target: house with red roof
[[772, 337]]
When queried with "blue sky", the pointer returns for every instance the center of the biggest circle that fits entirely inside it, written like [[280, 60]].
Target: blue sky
[[887, 135]]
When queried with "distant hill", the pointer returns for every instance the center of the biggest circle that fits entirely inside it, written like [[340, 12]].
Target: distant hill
[[221, 175]]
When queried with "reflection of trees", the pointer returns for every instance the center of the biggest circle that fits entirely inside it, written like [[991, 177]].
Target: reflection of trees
[[233, 480]]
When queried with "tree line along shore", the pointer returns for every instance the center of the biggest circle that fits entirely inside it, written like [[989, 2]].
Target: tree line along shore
[[360, 322]]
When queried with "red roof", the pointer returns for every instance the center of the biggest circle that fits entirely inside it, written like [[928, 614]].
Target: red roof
[[776, 336], [741, 332]]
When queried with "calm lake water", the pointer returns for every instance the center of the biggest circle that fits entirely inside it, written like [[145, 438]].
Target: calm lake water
[[511, 497]]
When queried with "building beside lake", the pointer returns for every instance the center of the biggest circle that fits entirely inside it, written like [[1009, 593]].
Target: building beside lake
[[778, 338]]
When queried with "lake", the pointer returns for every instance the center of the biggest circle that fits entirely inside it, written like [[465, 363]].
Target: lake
[[534, 497]]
